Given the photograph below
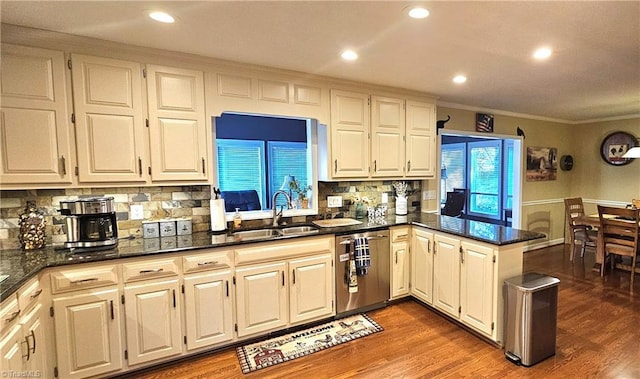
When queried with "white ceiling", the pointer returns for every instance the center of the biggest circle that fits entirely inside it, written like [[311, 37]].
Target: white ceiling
[[593, 74]]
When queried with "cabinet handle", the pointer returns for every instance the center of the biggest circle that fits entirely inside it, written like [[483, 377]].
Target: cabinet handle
[[209, 263], [293, 274], [174, 298], [203, 167], [461, 255], [375, 165], [435, 248], [64, 165], [33, 337], [113, 316], [396, 254], [227, 282], [429, 247], [80, 281], [335, 166], [139, 166], [152, 271], [283, 278], [13, 316], [408, 165], [26, 342], [35, 294]]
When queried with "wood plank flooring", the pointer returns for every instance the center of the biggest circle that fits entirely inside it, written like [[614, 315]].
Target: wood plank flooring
[[598, 337]]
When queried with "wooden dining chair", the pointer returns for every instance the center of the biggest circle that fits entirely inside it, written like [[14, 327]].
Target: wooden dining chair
[[620, 231], [584, 234]]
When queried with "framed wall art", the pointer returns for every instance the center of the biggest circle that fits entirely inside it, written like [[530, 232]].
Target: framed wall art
[[484, 122], [615, 145], [542, 163]]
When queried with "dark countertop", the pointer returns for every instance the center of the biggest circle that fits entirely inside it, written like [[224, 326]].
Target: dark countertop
[[23, 265]]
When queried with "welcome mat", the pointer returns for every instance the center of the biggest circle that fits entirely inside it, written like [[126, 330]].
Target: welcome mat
[[290, 346]]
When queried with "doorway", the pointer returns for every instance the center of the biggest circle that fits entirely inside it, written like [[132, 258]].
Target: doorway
[[486, 168]]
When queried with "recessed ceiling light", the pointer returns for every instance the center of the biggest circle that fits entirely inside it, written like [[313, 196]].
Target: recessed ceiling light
[[349, 55], [162, 17], [542, 53], [459, 79], [418, 12]]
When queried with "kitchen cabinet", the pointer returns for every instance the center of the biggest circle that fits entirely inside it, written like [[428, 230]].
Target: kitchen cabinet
[[422, 265], [88, 333], [36, 136], [11, 336], [350, 128], [109, 120], [177, 125], [208, 300], [400, 262], [476, 286], [33, 340], [380, 136], [446, 274], [387, 136], [420, 139], [284, 284]]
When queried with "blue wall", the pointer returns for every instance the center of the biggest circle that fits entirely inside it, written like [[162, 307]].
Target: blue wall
[[261, 128]]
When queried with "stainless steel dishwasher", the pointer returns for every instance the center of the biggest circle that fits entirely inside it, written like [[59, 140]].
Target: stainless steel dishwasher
[[373, 287]]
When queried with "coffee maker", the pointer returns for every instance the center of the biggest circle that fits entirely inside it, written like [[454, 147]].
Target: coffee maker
[[90, 222]]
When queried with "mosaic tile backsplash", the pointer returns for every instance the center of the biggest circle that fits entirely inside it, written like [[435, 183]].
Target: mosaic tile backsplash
[[174, 202]]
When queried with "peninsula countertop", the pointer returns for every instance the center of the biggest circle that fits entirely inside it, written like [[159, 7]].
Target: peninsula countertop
[[22, 265]]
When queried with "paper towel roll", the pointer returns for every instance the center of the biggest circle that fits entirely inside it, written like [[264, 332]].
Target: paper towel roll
[[218, 221]]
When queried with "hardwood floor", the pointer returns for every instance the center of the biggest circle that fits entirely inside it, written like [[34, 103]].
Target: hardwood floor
[[598, 336]]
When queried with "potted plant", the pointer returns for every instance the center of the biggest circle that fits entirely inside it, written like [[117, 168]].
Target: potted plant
[[301, 192]]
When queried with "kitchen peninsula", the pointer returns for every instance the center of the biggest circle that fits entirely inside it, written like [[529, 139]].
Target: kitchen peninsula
[[116, 285]]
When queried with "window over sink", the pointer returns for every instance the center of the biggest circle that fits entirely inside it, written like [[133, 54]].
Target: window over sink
[[262, 153]]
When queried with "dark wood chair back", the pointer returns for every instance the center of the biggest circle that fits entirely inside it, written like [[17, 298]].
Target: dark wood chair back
[[574, 209], [620, 233]]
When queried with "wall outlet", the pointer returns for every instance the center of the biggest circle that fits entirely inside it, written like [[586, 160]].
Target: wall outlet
[[334, 201], [137, 213], [385, 198]]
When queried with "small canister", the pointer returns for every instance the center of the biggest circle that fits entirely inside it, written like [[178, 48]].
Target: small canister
[[183, 226], [150, 229], [167, 228]]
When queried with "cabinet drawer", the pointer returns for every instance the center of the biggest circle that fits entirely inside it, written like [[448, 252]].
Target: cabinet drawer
[[399, 234], [149, 269], [9, 312], [207, 261], [29, 294], [90, 277]]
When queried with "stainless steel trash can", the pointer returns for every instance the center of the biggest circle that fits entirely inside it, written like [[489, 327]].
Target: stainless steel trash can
[[531, 307]]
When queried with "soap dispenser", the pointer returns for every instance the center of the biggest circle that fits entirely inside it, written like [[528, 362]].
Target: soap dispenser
[[237, 219]]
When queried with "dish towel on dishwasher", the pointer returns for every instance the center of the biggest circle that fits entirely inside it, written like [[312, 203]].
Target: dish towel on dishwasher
[[362, 255], [351, 277]]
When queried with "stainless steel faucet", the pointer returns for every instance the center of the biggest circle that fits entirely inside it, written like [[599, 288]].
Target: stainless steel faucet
[[274, 213]]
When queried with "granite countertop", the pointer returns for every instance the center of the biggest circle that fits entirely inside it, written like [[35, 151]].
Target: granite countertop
[[22, 265]]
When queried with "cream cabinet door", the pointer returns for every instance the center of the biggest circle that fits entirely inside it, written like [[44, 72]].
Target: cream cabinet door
[[261, 298], [387, 136], [208, 309], [88, 334], [422, 265], [446, 274], [476, 287], [400, 269], [11, 348], [109, 119], [152, 312], [34, 138], [34, 343], [311, 289], [421, 140], [177, 125], [350, 123]]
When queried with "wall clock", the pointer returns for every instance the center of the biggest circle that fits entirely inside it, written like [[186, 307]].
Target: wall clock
[[566, 162], [614, 146]]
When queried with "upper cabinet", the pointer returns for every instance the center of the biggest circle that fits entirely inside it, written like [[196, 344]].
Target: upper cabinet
[[177, 128], [34, 136], [380, 137], [109, 119]]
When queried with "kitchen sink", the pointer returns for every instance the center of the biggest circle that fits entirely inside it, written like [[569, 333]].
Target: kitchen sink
[[256, 234], [295, 230]]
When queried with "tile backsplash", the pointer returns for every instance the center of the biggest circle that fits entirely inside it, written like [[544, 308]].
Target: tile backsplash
[[172, 202]]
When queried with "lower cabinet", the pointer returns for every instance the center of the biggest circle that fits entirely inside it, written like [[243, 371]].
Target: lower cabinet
[[88, 333], [422, 265], [33, 340], [284, 292], [400, 262], [153, 323], [208, 308], [464, 285]]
